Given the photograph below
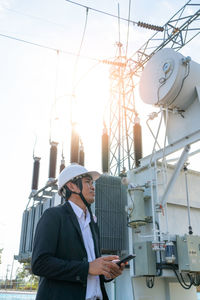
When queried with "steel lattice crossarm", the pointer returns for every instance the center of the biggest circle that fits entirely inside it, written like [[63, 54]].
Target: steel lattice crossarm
[[178, 31]]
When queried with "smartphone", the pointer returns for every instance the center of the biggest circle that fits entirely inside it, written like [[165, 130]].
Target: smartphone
[[125, 259]]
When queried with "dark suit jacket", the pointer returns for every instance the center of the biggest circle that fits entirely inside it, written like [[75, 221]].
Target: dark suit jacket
[[59, 256]]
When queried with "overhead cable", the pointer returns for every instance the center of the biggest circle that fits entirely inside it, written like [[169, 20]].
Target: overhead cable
[[129, 14], [79, 51], [140, 24], [102, 12], [47, 47], [33, 17], [84, 30], [119, 23], [104, 61]]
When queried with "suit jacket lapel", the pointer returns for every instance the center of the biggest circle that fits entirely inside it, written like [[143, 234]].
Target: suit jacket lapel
[[93, 227], [94, 230], [74, 220]]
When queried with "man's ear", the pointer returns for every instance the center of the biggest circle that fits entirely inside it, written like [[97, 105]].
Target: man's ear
[[72, 187]]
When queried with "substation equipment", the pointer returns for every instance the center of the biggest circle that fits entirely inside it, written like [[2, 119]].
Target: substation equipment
[[152, 210], [163, 200], [160, 220]]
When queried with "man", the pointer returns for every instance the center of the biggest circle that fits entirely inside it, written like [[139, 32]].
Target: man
[[66, 251]]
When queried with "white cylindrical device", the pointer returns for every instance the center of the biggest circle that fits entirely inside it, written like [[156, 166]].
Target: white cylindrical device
[[138, 217], [169, 79]]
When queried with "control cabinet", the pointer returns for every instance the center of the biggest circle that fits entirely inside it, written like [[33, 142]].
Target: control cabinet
[[188, 249], [145, 261]]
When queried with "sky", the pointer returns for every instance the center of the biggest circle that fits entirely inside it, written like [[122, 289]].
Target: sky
[[37, 85]]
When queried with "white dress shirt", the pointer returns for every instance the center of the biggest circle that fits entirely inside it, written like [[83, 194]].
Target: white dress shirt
[[93, 290]]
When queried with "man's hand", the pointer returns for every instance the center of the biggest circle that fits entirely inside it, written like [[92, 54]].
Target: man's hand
[[105, 266]]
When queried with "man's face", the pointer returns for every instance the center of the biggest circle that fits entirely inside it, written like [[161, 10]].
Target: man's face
[[88, 189]]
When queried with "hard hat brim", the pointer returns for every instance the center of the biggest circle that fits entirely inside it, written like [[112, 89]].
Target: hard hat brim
[[94, 174]]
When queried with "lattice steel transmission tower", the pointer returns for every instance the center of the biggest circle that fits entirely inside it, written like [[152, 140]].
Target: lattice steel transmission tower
[[122, 115], [178, 31]]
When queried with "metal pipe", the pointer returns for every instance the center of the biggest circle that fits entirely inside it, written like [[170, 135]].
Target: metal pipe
[[147, 122], [177, 170], [166, 222], [130, 238], [165, 139], [154, 146], [188, 201], [157, 196], [153, 212], [177, 145], [189, 155]]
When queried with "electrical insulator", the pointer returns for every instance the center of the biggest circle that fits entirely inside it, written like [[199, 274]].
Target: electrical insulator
[[53, 160], [137, 136], [74, 156], [36, 168], [105, 151], [62, 165], [150, 26], [114, 63], [81, 155]]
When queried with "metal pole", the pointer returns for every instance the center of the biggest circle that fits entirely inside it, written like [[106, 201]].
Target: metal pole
[[153, 212], [188, 201], [177, 170]]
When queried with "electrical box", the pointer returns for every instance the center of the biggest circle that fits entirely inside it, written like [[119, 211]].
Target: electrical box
[[145, 260], [188, 250]]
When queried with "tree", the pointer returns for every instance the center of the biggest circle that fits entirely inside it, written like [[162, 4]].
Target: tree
[[26, 278]]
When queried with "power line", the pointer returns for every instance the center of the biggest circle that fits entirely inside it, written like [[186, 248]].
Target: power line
[[140, 24], [118, 7], [33, 17], [101, 11], [28, 42], [127, 39], [104, 61], [46, 47], [79, 51]]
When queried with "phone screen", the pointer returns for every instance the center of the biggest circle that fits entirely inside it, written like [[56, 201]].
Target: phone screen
[[126, 259]]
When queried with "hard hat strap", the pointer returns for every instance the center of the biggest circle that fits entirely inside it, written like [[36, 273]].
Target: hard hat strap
[[79, 184], [68, 193], [92, 227]]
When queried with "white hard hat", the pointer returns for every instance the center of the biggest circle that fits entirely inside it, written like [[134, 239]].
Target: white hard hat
[[72, 171]]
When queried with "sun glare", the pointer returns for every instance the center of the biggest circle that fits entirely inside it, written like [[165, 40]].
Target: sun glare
[[89, 101], [83, 106]]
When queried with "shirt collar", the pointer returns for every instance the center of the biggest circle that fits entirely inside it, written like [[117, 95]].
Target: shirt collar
[[78, 211]]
